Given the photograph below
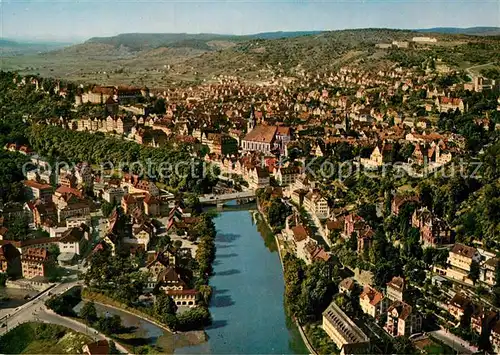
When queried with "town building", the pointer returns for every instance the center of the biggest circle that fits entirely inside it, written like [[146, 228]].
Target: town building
[[396, 289], [258, 178], [462, 256], [346, 286], [35, 262], [434, 231], [444, 104], [260, 139], [38, 191], [316, 204], [460, 307], [346, 335], [114, 194], [482, 320], [402, 320], [286, 176], [495, 338], [372, 302], [73, 240], [488, 271]]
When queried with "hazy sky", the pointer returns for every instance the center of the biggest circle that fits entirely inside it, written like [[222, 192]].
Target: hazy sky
[[81, 19]]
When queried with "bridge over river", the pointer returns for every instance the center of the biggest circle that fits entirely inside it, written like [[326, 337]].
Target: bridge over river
[[216, 199]]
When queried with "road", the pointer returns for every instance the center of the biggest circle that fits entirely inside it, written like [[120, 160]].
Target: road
[[35, 310], [25, 312], [469, 72], [458, 344]]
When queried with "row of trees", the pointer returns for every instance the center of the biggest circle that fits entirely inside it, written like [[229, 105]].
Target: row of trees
[[276, 211], [172, 166], [308, 288]]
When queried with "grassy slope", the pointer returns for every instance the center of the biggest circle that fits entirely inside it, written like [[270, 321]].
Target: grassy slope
[[27, 339]]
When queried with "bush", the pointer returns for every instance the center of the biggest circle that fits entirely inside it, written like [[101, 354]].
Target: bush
[[195, 318], [64, 304], [110, 325]]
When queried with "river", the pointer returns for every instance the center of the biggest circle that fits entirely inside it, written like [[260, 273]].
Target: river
[[247, 303]]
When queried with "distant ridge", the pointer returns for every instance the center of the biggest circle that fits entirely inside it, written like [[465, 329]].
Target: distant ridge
[[471, 31], [10, 47], [141, 41], [8, 43], [280, 34]]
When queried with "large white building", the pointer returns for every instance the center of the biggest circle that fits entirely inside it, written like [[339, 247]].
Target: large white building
[[348, 337]]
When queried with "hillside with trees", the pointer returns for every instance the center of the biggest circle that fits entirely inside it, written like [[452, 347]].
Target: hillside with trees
[[158, 59]]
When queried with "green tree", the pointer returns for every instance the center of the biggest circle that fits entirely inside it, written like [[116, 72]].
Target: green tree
[[293, 275], [277, 213], [3, 279], [112, 348], [110, 325], [106, 209], [194, 318], [403, 345], [54, 251], [163, 306], [474, 271], [89, 312], [206, 293]]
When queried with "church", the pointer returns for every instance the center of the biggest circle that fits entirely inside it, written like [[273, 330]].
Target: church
[[263, 138]]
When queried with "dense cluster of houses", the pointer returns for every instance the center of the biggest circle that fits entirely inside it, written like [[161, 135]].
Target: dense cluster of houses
[[262, 140], [136, 233]]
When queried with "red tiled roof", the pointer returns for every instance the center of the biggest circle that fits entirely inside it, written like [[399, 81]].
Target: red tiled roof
[[100, 347], [373, 295], [264, 134], [37, 185], [299, 233], [64, 190]]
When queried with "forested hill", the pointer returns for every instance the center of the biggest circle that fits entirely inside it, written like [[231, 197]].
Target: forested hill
[[142, 41], [161, 60]]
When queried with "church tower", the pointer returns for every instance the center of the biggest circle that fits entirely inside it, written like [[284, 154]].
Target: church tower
[[251, 120], [346, 125]]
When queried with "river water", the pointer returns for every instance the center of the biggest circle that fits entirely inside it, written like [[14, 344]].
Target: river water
[[247, 303]]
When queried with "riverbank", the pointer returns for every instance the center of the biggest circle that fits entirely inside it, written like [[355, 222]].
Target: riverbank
[[280, 247], [247, 302], [104, 300], [168, 340]]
